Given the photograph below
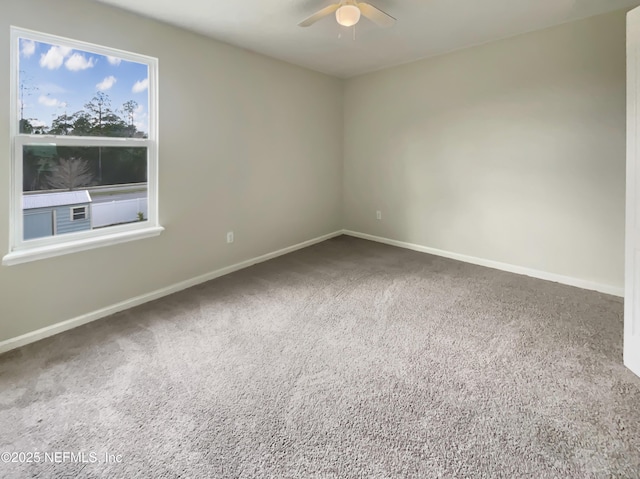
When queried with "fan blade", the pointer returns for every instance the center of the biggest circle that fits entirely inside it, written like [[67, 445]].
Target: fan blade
[[318, 15], [376, 15]]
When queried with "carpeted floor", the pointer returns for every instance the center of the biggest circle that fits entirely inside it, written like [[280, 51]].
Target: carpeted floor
[[347, 359]]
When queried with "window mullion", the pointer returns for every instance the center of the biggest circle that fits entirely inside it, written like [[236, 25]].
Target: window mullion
[[81, 141]]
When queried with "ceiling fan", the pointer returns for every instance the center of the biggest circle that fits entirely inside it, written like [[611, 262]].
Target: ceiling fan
[[348, 14]]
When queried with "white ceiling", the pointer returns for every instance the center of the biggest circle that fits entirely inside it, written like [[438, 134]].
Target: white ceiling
[[424, 27]]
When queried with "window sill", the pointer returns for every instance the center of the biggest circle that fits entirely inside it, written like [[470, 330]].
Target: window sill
[[49, 251]]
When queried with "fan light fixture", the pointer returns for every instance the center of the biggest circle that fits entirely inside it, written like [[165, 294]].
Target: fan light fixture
[[348, 15]]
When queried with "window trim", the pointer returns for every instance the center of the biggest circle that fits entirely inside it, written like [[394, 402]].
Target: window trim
[[21, 251]]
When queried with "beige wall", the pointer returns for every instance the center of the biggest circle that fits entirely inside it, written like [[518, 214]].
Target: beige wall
[[248, 144], [512, 151]]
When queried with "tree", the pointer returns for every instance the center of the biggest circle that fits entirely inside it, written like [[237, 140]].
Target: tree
[[70, 173], [113, 125], [26, 126], [62, 125], [82, 123], [130, 108], [109, 165], [37, 162], [25, 90], [99, 106], [40, 129], [44, 167]]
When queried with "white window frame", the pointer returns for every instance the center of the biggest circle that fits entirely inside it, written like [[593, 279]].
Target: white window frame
[[22, 251], [85, 210]]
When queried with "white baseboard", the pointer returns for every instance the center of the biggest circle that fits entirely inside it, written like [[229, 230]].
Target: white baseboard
[[568, 280], [38, 334], [34, 336]]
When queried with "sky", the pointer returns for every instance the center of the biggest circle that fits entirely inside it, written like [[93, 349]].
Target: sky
[[62, 80]]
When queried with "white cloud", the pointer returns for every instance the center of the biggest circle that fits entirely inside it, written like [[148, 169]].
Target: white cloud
[[140, 86], [54, 57], [139, 113], [77, 62], [107, 83], [37, 123], [50, 102], [113, 60], [140, 119], [28, 48]]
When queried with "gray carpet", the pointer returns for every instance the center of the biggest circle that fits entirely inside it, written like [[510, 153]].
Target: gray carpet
[[346, 359]]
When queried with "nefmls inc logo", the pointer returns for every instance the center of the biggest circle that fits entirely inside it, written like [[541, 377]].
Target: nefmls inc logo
[[81, 457]]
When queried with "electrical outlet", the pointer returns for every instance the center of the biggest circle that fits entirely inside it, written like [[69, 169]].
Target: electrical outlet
[[230, 237], [379, 214]]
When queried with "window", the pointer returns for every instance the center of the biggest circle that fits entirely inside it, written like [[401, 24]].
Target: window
[[79, 213], [84, 140]]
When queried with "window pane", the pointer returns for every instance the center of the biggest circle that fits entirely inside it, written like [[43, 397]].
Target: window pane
[[66, 91], [59, 182]]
